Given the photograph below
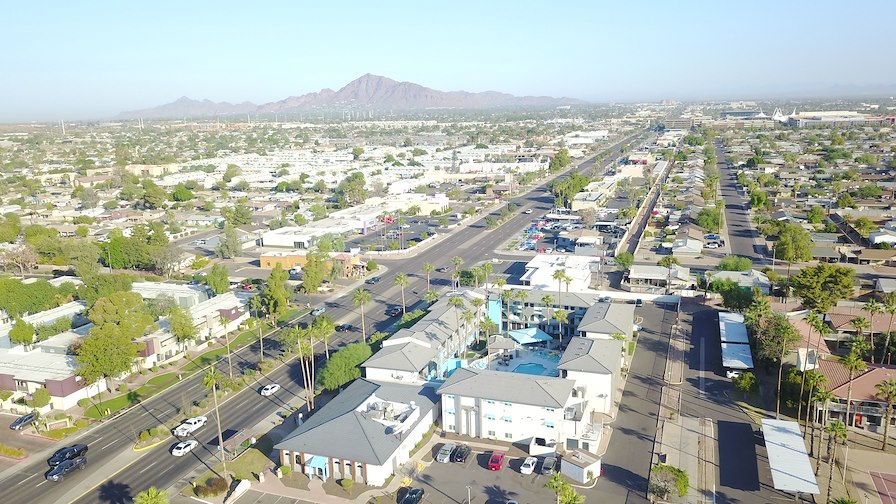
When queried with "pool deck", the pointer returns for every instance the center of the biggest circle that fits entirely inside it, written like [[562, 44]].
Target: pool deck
[[540, 357]]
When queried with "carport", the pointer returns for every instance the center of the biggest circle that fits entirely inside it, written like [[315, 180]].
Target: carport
[[787, 457]]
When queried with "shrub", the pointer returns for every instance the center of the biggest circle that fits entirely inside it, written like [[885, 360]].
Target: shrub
[[285, 470], [84, 402], [40, 398], [123, 388], [372, 265], [346, 484], [144, 435], [212, 487], [6, 394], [153, 432], [10, 451]]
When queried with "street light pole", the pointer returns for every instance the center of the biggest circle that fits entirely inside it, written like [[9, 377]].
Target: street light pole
[[469, 488]]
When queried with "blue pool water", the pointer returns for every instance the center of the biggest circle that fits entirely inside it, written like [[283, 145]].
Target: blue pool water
[[531, 368]]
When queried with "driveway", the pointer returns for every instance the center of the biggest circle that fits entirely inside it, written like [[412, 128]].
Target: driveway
[[447, 483], [20, 439]]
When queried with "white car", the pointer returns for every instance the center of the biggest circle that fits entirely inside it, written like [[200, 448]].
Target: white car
[[733, 373], [190, 425], [528, 466], [184, 447], [528, 211], [445, 452], [269, 389]]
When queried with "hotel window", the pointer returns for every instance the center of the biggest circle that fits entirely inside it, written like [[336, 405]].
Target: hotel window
[[549, 425], [508, 435], [451, 427], [489, 416], [549, 410], [491, 433], [450, 411], [449, 397], [489, 401], [508, 404], [508, 419]]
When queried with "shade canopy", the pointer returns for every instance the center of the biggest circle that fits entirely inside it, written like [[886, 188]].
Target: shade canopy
[[529, 335]]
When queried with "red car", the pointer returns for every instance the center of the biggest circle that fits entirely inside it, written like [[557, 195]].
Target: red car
[[496, 461]]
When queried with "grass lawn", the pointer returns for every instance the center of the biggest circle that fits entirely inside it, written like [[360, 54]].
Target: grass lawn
[[288, 315], [254, 460], [114, 404], [67, 431], [214, 355], [332, 487]]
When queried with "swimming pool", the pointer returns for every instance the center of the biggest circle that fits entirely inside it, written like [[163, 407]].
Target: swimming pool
[[532, 368]]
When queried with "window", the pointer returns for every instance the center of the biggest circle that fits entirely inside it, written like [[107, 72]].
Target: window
[[508, 435], [489, 416], [491, 433], [448, 397], [549, 425], [508, 404], [489, 401], [508, 419], [451, 427], [450, 411], [549, 410]]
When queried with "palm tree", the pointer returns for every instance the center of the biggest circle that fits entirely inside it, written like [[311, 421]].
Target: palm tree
[[559, 275], [487, 269], [886, 391], [520, 296], [873, 308], [210, 380], [402, 281], [814, 379], [561, 317], [256, 305], [468, 317], [360, 298], [824, 397], [854, 364], [836, 435], [457, 261], [667, 262], [860, 324], [477, 303], [810, 318], [890, 307], [758, 311], [431, 296], [152, 495], [457, 302], [224, 321], [428, 268], [306, 360], [324, 327]]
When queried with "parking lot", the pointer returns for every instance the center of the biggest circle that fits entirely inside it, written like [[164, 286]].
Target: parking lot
[[18, 439], [447, 482]]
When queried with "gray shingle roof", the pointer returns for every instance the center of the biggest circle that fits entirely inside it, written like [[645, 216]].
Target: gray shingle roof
[[403, 357], [337, 430], [601, 356], [510, 387], [608, 318]]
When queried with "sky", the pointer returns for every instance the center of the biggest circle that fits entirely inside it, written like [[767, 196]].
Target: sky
[[91, 60]]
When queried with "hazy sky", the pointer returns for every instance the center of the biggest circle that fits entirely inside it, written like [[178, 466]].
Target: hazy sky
[[82, 60]]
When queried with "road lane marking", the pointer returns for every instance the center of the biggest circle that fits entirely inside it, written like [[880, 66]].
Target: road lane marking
[[41, 483], [26, 479], [108, 445], [702, 365]]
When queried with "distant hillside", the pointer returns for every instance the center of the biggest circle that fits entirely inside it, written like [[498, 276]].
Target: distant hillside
[[186, 107], [367, 91]]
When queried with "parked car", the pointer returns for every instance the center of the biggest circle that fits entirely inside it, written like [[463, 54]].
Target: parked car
[[528, 466], [67, 453], [549, 465], [414, 496], [639, 303], [372, 281], [59, 472], [184, 447], [444, 455], [269, 389], [733, 373], [23, 421], [461, 453], [712, 245], [317, 311], [496, 461]]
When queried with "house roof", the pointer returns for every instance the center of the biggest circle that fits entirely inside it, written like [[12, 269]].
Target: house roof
[[825, 252], [752, 278], [402, 357], [510, 387], [841, 319], [608, 318], [340, 429], [863, 385], [654, 272], [588, 355], [886, 285]]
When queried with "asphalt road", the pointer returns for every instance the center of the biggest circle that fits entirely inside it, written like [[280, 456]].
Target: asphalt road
[[156, 467], [741, 235]]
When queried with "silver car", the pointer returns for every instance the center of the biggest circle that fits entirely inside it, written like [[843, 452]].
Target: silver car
[[444, 455]]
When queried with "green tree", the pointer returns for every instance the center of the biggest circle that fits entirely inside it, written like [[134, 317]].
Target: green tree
[[344, 365], [314, 272], [774, 340], [40, 398], [815, 215], [746, 383], [237, 215], [820, 287], [152, 495], [101, 285], [735, 263], [351, 190], [230, 245], [427, 269], [854, 364], [181, 324], [360, 299], [357, 152], [217, 279], [275, 296], [323, 327], [106, 352], [886, 391], [22, 333], [181, 193], [710, 218], [837, 433], [624, 260], [231, 171], [125, 311]]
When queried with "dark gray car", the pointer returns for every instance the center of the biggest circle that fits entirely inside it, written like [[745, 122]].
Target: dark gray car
[[23, 421], [59, 472]]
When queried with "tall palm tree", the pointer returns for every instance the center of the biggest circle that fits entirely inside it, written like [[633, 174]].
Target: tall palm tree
[[886, 391], [210, 380], [836, 434], [559, 275], [457, 302], [860, 324], [457, 261], [854, 364], [814, 379], [469, 317], [401, 280], [487, 269], [360, 298], [824, 397], [323, 327], [561, 317], [759, 310], [889, 307], [258, 306], [306, 360], [810, 318], [873, 308], [224, 321], [152, 495], [428, 268], [431, 296]]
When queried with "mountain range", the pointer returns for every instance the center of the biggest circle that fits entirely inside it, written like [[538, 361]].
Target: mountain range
[[366, 92]]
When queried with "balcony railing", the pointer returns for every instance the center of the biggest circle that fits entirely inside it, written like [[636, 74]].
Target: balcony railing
[[862, 410]]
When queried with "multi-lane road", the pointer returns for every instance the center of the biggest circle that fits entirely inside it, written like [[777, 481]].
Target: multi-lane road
[[115, 473]]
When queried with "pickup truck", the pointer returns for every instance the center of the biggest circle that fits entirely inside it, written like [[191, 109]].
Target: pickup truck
[[189, 426]]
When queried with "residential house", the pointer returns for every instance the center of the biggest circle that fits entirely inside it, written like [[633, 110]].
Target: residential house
[[748, 280], [652, 279], [218, 315], [604, 320], [869, 410], [365, 434], [72, 311]]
